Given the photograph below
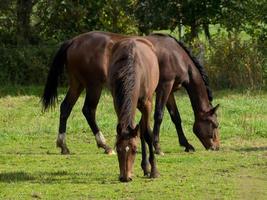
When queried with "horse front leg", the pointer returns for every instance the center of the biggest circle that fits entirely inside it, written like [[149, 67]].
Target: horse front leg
[[162, 95], [144, 162], [89, 111], [176, 119], [147, 134]]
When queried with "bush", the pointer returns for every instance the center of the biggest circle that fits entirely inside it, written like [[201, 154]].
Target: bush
[[230, 63], [233, 63], [24, 65]]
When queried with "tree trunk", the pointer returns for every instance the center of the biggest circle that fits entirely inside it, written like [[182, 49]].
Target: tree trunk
[[194, 30], [207, 31], [24, 10], [180, 30]]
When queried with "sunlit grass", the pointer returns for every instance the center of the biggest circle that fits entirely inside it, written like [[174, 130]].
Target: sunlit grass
[[31, 166]]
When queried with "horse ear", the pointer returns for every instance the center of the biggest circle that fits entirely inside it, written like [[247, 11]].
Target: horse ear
[[215, 108], [211, 112]]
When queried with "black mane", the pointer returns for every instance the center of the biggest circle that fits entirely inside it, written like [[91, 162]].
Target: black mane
[[196, 62], [124, 83]]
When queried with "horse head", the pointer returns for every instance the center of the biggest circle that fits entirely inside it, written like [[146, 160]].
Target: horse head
[[126, 146]]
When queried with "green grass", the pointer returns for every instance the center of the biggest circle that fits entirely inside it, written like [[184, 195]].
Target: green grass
[[32, 168]]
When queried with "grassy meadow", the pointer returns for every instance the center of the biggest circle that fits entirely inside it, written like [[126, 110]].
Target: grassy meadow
[[31, 166]]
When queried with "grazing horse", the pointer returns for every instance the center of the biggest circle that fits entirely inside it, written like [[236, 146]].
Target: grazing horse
[[133, 77], [179, 68], [86, 58]]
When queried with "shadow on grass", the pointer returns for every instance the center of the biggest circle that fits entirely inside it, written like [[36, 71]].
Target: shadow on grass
[[15, 177], [250, 149], [58, 177]]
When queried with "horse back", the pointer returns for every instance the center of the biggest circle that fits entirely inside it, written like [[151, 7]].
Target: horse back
[[148, 65], [88, 57], [145, 62], [174, 62]]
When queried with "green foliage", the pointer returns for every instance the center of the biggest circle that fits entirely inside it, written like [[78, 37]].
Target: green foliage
[[152, 15], [7, 22], [61, 20], [248, 15], [233, 63], [25, 64], [117, 16], [65, 19], [26, 25]]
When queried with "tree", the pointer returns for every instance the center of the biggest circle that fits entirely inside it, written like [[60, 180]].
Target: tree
[[24, 11], [172, 14], [7, 21], [118, 16], [152, 15]]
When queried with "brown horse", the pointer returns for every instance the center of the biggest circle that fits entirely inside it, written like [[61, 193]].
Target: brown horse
[[179, 68], [86, 58], [133, 77]]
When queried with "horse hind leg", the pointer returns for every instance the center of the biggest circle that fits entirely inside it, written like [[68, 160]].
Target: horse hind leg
[[162, 94], [144, 162], [65, 110], [89, 111]]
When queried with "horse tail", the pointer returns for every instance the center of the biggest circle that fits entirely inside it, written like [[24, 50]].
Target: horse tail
[[56, 69], [125, 83]]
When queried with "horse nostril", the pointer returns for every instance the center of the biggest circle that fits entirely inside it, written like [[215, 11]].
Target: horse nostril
[[215, 148]]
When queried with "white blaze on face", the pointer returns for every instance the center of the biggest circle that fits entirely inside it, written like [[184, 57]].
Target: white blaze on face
[[127, 149]]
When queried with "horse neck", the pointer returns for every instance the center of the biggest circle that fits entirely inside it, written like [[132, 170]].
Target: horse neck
[[197, 92], [127, 111], [127, 120], [127, 90]]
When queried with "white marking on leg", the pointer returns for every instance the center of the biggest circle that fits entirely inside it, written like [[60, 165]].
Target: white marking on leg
[[100, 139], [61, 138], [112, 152]]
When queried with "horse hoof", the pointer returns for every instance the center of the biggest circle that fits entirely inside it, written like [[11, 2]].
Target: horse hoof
[[109, 151], [159, 152], [65, 151], [146, 172], [189, 148], [154, 174]]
